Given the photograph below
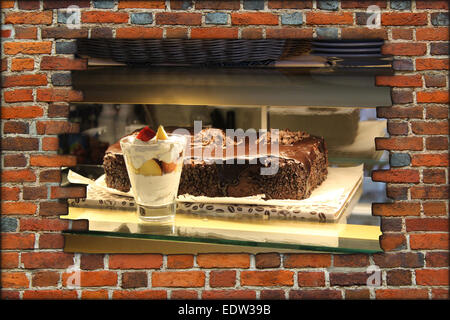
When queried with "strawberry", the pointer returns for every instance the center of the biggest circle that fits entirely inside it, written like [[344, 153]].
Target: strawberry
[[146, 134]]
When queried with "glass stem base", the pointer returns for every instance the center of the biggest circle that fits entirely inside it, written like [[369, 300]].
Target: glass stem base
[[162, 213]]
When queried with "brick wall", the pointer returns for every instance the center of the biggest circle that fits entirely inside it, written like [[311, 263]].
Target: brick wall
[[37, 57]]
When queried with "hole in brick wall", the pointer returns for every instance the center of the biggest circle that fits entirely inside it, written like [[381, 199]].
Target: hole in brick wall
[[114, 107]]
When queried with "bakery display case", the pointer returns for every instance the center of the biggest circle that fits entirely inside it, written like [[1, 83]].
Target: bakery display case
[[293, 86]]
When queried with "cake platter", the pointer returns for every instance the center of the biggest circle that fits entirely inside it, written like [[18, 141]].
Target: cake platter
[[327, 203]]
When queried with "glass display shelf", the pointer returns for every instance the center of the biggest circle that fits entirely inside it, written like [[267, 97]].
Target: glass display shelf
[[121, 231]]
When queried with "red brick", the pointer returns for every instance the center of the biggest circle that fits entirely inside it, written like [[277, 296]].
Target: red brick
[[52, 160], [397, 128], [47, 260], [403, 19], [329, 18], [432, 96], [178, 18], [435, 208], [214, 33], [154, 4], [438, 293], [348, 278], [289, 33], [14, 280], [267, 278], [51, 241], [52, 208], [184, 295], [139, 33], [50, 176], [24, 80], [14, 160], [290, 4], [429, 160], [67, 192], [313, 294], [135, 261], [399, 143], [10, 193], [27, 47], [217, 4], [254, 18], [34, 193], [21, 112], [402, 96], [29, 4], [180, 261], [267, 260], [56, 127], [431, 64], [101, 33], [134, 279], [426, 224], [45, 279], [396, 176], [7, 4], [18, 95], [20, 241], [94, 278], [58, 110], [392, 242], [101, 294], [25, 33], [225, 260], [139, 294], [22, 64], [104, 17], [178, 279], [22, 175], [437, 112], [303, 260], [9, 260], [429, 192], [357, 294], [399, 294], [311, 279], [252, 33], [57, 294], [229, 294], [435, 4], [176, 33], [15, 127], [402, 33], [430, 277], [222, 278], [62, 4], [399, 81], [433, 34], [437, 176], [272, 295], [62, 63], [91, 261], [429, 241], [363, 33], [405, 49], [64, 33], [437, 259], [22, 208], [398, 277], [4, 64], [50, 144], [435, 80], [52, 95], [42, 17], [348, 4], [43, 224], [351, 260]]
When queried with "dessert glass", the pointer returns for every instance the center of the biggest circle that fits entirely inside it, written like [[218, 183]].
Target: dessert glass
[[154, 168]]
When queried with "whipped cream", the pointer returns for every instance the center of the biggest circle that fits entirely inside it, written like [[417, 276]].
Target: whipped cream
[[164, 150]]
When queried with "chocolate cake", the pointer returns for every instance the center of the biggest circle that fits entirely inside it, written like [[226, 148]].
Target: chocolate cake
[[299, 166]]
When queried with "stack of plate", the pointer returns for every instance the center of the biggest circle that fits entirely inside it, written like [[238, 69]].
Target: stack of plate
[[347, 48]]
